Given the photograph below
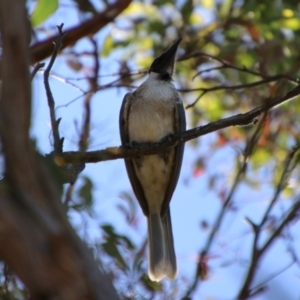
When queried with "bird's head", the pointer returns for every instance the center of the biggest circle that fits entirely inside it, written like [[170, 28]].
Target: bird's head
[[164, 64]]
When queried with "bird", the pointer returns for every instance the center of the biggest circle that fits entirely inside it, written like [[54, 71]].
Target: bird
[[152, 112]]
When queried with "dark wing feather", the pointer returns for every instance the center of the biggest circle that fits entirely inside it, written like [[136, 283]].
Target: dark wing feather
[[180, 126], [123, 127]]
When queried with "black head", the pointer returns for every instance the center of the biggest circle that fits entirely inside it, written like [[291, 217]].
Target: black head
[[164, 64]]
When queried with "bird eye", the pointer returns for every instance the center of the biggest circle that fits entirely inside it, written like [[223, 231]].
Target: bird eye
[[165, 76]]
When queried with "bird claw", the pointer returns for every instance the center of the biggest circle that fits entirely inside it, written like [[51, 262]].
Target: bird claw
[[167, 138]]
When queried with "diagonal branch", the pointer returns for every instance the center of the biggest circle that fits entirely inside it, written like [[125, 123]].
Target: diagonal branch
[[171, 141], [44, 49]]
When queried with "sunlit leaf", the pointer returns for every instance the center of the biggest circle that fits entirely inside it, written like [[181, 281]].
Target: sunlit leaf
[[138, 9], [208, 3], [292, 23], [43, 10], [260, 157], [196, 18], [107, 46], [225, 7], [288, 192], [287, 13]]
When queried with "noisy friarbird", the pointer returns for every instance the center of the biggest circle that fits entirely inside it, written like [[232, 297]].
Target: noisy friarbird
[[150, 113]]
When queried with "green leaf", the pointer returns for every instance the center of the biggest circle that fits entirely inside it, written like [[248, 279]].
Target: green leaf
[[85, 198], [43, 10], [108, 46], [156, 26], [111, 249], [186, 10], [117, 238], [260, 157], [85, 192], [225, 7], [85, 6], [110, 245]]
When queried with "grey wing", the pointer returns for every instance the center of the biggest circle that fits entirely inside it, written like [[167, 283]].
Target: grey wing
[[180, 126], [123, 127]]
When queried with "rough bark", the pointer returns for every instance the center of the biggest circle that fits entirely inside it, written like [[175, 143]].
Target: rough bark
[[37, 240]]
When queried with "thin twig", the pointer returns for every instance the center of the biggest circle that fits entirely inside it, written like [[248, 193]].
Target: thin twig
[[58, 77], [257, 252], [245, 290], [99, 88], [122, 74], [58, 142], [85, 131], [260, 286], [227, 65], [36, 68], [282, 182], [229, 87], [241, 172]]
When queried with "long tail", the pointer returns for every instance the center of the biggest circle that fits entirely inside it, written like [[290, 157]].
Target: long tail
[[171, 266], [162, 258]]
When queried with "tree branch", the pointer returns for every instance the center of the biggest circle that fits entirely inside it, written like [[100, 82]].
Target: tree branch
[[85, 130], [230, 87], [58, 142], [172, 140], [37, 241], [257, 252], [227, 65], [44, 49]]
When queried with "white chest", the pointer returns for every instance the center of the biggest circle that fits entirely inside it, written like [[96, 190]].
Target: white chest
[[151, 114]]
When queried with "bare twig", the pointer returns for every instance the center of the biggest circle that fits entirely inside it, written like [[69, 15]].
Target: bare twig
[[227, 65], [85, 131], [260, 287], [229, 87], [241, 173], [58, 142], [37, 67], [139, 73], [258, 252], [68, 82], [289, 166], [233, 87]]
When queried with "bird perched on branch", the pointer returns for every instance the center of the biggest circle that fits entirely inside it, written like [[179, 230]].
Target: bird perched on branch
[[149, 114]]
